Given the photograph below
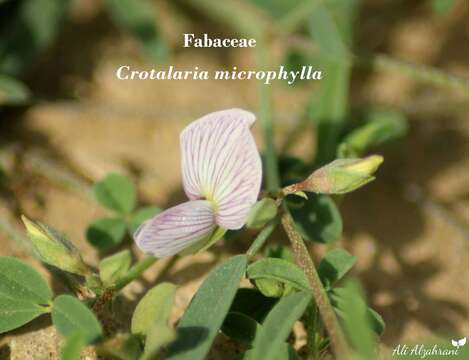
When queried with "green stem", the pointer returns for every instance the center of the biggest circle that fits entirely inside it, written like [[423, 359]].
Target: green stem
[[265, 116], [135, 272], [297, 17], [420, 72], [261, 238], [303, 259]]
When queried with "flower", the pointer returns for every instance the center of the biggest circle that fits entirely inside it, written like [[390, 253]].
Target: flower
[[221, 172], [339, 177]]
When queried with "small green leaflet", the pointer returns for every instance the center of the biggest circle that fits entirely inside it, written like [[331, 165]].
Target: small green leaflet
[[15, 313], [113, 267], [279, 270], [334, 266], [204, 316], [106, 233], [12, 92], [317, 219], [154, 307], [20, 281], [23, 294], [72, 347], [70, 316], [355, 318], [277, 325], [261, 213], [116, 192]]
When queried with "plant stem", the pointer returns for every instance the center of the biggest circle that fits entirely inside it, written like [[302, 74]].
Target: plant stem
[[296, 17], [303, 259], [261, 238], [265, 115], [135, 272], [420, 72]]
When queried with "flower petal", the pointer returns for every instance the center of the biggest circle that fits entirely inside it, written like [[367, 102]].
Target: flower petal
[[220, 162], [176, 228]]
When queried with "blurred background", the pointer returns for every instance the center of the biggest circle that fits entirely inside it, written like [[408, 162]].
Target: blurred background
[[66, 121]]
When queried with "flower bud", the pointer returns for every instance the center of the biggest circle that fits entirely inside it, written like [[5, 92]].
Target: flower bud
[[53, 249], [339, 177], [273, 288]]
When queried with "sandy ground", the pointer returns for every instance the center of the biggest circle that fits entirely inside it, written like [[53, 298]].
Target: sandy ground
[[409, 229]]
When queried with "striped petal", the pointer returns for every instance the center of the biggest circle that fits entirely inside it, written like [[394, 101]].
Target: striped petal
[[220, 163], [175, 229]]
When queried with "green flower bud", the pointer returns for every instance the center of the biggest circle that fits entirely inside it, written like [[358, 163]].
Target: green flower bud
[[54, 249], [261, 213], [339, 177], [273, 288]]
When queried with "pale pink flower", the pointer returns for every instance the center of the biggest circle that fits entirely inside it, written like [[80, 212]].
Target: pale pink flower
[[221, 173]]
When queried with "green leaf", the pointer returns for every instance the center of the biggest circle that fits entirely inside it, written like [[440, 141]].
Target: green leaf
[[106, 233], [317, 219], [26, 32], [154, 307], [72, 347], [377, 322], [442, 6], [355, 317], [158, 336], [12, 92], [277, 325], [240, 327], [204, 316], [17, 312], [137, 17], [331, 26], [22, 292], [334, 266], [113, 267], [277, 8], [285, 352], [70, 316], [20, 281], [382, 126], [121, 347], [140, 216], [326, 33], [261, 213], [116, 192], [278, 270]]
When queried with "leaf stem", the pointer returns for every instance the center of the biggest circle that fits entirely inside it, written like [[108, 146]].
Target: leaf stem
[[261, 238], [265, 115], [303, 259], [135, 272]]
